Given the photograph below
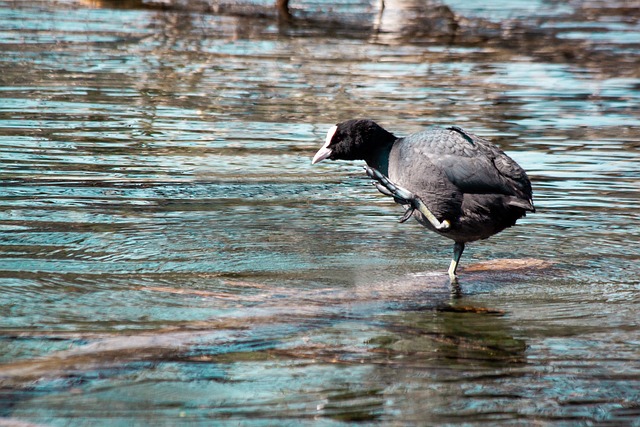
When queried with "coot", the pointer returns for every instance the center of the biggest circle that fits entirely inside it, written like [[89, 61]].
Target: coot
[[453, 182]]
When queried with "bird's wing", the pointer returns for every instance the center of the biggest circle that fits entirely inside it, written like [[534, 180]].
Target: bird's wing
[[471, 163]]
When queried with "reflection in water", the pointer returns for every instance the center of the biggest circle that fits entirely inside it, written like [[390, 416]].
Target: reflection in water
[[167, 252], [356, 380]]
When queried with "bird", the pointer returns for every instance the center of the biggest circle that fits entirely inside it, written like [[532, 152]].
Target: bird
[[451, 181]]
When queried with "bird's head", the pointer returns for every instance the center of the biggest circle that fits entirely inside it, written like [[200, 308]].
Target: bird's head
[[359, 139]]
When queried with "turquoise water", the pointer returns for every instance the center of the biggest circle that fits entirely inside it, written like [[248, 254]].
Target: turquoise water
[[168, 255]]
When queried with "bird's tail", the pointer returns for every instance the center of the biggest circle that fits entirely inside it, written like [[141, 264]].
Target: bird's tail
[[527, 205]]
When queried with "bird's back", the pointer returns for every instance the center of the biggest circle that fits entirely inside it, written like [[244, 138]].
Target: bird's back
[[462, 177]]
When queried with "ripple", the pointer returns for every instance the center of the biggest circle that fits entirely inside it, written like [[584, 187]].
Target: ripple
[[165, 242]]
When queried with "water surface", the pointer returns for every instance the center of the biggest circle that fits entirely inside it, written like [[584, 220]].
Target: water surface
[[168, 254]]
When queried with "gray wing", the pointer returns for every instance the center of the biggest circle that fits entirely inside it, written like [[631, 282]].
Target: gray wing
[[471, 163]]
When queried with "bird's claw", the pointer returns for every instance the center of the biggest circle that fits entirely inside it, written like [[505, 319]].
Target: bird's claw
[[407, 215]]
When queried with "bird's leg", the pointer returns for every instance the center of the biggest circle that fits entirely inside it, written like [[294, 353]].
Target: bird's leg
[[458, 248], [405, 197]]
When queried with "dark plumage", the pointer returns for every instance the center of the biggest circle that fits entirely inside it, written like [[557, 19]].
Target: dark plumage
[[472, 189]]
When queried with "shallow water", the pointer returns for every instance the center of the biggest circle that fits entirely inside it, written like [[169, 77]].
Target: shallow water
[[168, 254]]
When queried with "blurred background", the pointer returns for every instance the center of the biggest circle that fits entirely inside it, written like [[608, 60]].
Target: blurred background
[[168, 254]]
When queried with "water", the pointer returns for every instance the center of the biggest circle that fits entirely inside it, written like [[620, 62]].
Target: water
[[168, 254]]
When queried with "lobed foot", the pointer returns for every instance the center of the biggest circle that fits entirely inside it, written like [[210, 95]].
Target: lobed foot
[[400, 195], [405, 197], [388, 188]]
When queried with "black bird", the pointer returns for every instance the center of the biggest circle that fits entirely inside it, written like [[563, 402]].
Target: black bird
[[454, 183]]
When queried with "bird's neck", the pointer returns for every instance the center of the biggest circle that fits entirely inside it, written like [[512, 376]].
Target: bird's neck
[[379, 158]]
